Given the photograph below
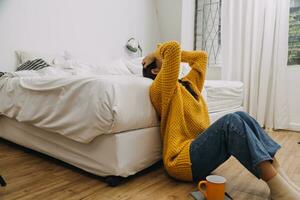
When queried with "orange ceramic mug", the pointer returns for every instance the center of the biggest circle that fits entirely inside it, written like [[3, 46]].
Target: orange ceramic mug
[[213, 187]]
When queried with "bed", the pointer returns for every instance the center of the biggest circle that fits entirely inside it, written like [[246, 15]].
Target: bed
[[120, 135]]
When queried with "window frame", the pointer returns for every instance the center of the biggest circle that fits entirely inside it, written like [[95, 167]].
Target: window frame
[[296, 65], [215, 64]]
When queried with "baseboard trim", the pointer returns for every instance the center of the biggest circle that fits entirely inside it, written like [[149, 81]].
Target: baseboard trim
[[294, 126]]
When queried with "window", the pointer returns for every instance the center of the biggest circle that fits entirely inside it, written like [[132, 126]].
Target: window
[[294, 33], [208, 29]]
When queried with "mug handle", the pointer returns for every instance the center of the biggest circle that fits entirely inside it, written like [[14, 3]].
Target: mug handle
[[202, 188]]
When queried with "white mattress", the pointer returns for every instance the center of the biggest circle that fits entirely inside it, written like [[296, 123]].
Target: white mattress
[[121, 154], [223, 95]]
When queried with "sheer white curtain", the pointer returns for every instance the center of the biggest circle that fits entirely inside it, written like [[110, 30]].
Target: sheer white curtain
[[254, 50]]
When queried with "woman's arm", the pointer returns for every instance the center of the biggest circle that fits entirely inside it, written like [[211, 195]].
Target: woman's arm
[[170, 54], [197, 61]]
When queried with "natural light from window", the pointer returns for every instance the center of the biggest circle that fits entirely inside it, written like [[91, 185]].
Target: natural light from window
[[294, 33], [208, 30]]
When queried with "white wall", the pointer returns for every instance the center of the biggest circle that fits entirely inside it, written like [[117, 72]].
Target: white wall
[[176, 21], [187, 24], [169, 17], [214, 73], [93, 30], [294, 97]]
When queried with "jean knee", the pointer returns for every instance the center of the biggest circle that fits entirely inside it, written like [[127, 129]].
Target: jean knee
[[236, 124], [242, 113], [236, 119], [233, 118]]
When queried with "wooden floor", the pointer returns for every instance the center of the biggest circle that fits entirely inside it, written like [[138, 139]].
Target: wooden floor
[[35, 177]]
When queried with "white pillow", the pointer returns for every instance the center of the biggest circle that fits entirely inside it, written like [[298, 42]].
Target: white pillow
[[24, 56], [134, 65], [117, 67]]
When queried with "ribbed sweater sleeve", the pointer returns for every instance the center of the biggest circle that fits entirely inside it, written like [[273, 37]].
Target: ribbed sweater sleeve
[[167, 78], [197, 61]]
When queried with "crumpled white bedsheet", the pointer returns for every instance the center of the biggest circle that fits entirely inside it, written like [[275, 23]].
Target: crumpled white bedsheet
[[77, 103]]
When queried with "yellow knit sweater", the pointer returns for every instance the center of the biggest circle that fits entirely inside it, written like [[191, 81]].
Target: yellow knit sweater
[[182, 116]]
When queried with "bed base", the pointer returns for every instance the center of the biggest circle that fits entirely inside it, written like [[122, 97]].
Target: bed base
[[114, 181], [111, 181]]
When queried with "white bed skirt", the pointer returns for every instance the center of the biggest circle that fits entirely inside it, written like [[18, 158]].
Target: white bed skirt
[[121, 154]]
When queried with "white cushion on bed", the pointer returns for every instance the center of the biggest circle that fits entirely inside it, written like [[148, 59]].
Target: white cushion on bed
[[134, 65], [24, 56], [116, 67]]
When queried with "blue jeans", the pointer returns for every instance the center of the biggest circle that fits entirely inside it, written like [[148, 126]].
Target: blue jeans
[[236, 134]]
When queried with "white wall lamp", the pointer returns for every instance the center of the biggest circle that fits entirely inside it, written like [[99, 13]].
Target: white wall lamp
[[134, 46]]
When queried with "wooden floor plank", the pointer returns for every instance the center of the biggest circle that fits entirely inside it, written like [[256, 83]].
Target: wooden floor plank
[[32, 176]]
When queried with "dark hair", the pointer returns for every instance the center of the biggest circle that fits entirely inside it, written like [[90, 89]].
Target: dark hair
[[147, 71]]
